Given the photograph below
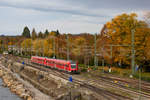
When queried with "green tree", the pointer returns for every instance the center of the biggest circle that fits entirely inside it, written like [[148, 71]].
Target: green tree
[[57, 33], [40, 35], [26, 32], [46, 33]]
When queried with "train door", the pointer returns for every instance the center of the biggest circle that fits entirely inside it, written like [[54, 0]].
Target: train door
[[69, 69], [77, 67], [45, 62]]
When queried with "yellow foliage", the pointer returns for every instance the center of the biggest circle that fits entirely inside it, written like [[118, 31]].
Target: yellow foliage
[[119, 32], [43, 46], [78, 44], [27, 43]]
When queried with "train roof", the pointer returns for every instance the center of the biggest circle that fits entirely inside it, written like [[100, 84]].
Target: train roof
[[39, 57], [59, 60]]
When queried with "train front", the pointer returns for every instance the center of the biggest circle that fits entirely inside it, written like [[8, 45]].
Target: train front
[[74, 67]]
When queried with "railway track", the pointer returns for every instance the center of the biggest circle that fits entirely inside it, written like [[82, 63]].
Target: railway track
[[106, 94], [121, 87], [128, 84], [108, 81], [134, 84], [103, 93]]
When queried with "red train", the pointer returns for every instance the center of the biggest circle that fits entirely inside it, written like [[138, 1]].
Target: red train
[[68, 66]]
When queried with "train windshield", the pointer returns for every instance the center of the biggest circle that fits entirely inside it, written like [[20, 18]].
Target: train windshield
[[73, 65]]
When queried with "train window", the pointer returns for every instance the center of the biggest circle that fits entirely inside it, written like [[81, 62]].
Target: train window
[[73, 65], [50, 62]]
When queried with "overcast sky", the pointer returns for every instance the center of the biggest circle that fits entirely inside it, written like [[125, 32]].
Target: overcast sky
[[68, 16]]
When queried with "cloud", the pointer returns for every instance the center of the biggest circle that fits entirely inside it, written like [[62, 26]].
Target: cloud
[[73, 16], [92, 8], [50, 7]]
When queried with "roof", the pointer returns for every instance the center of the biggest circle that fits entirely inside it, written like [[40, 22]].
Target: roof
[[57, 60]]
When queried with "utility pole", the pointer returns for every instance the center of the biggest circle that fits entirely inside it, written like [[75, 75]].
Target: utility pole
[[57, 48], [21, 50], [103, 57], [43, 49], [31, 47], [140, 83], [133, 52], [67, 47], [37, 52], [54, 47], [111, 47], [111, 51], [95, 51]]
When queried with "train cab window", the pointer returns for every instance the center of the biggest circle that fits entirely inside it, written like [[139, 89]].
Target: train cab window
[[73, 65]]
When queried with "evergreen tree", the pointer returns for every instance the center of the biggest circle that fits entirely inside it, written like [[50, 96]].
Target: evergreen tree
[[46, 33], [57, 33], [40, 35], [34, 34], [26, 32]]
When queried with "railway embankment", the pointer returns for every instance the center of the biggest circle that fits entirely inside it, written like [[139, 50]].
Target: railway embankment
[[52, 87], [15, 86]]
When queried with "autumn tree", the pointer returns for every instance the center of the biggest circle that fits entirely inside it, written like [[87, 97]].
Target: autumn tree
[[26, 32], [26, 45], [48, 47], [52, 33], [55, 33], [40, 35], [43, 47], [79, 43], [119, 31], [78, 49], [34, 34]]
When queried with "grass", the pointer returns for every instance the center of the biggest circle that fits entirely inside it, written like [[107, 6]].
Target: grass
[[116, 71], [144, 76]]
